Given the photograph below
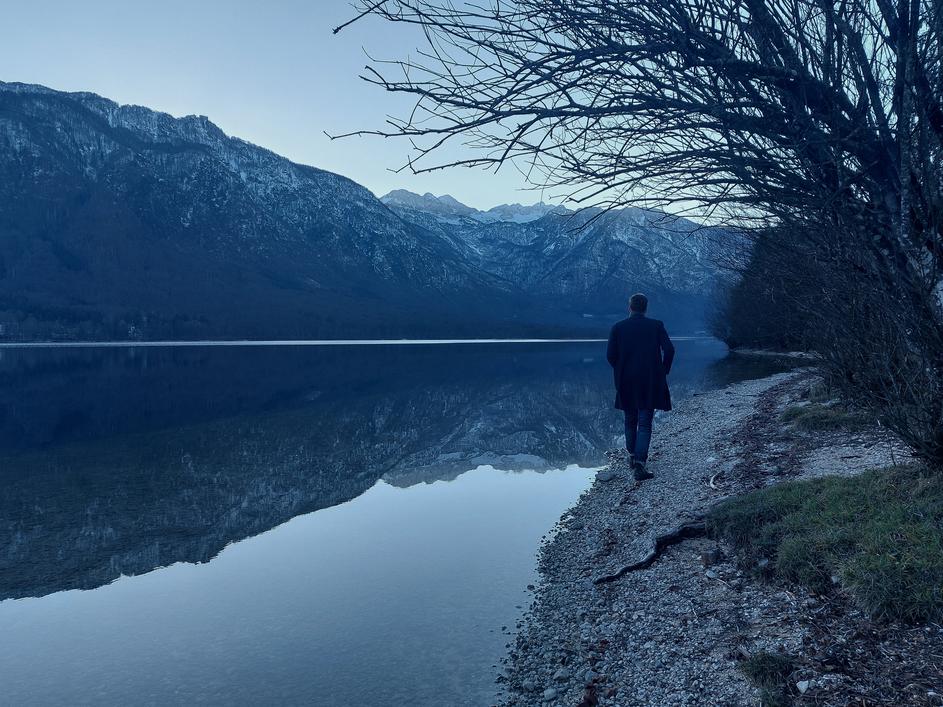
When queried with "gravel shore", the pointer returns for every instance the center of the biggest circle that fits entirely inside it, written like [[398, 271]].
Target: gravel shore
[[671, 634]]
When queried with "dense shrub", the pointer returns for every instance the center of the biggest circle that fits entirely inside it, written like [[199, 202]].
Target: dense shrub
[[877, 334], [763, 309]]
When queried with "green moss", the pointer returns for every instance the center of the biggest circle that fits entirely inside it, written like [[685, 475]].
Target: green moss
[[820, 392], [767, 669], [879, 535], [770, 673], [815, 417], [773, 697]]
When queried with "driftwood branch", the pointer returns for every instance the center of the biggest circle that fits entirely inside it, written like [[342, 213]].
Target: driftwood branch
[[691, 529]]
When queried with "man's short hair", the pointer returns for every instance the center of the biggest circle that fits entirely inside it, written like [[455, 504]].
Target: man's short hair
[[638, 303]]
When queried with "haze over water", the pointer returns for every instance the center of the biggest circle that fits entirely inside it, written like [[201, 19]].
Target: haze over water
[[344, 525]]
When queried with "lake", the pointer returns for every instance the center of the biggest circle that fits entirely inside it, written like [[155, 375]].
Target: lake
[[327, 525]]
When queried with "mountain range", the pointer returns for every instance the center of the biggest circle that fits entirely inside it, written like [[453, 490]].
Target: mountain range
[[587, 261], [120, 222]]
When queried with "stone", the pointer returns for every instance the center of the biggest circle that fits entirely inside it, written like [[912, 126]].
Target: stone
[[605, 475], [550, 694], [562, 675], [711, 557], [803, 686], [529, 685], [590, 676]]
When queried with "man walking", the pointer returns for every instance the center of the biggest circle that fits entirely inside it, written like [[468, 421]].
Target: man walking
[[640, 354]]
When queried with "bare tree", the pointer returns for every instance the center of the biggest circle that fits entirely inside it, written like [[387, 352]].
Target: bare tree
[[770, 106], [818, 117]]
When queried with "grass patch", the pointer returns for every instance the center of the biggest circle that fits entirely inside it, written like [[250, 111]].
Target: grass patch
[[879, 535], [769, 672], [773, 697], [767, 669], [817, 417], [819, 392]]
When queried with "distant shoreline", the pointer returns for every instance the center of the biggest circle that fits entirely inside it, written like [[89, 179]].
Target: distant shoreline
[[300, 342]]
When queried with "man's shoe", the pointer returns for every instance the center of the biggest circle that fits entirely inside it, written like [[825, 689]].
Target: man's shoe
[[639, 472]]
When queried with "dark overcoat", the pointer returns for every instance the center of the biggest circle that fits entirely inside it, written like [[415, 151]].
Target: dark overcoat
[[640, 354]]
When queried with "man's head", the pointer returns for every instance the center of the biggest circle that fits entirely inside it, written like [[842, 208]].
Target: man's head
[[638, 303]]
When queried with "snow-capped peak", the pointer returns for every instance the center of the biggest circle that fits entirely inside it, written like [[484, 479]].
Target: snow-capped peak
[[520, 213], [448, 206], [444, 205]]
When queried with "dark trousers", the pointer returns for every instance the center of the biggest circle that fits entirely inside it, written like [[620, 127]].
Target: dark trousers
[[638, 432]]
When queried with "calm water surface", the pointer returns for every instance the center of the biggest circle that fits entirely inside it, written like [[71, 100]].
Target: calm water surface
[[307, 525]]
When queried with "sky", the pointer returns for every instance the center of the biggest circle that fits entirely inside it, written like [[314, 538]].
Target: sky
[[268, 72]]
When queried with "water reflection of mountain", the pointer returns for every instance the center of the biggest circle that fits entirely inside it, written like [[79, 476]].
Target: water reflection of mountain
[[117, 462]]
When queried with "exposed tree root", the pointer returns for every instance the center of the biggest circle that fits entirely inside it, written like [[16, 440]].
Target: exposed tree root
[[692, 529]]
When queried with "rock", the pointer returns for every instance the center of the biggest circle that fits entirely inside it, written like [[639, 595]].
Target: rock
[[562, 675], [605, 475], [762, 564], [529, 685], [711, 574], [803, 686], [711, 557], [590, 676], [550, 694]]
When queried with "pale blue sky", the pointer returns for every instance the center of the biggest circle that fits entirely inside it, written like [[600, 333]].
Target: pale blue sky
[[268, 72]]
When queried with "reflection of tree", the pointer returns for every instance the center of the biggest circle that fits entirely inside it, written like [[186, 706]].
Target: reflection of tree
[[738, 367]]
